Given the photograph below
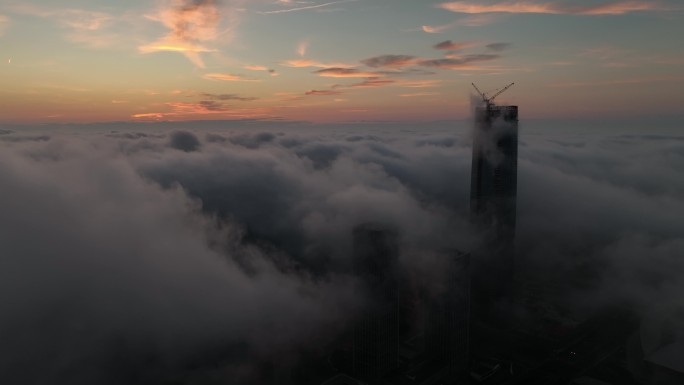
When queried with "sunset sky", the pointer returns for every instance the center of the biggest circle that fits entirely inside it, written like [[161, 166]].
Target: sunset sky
[[336, 61]]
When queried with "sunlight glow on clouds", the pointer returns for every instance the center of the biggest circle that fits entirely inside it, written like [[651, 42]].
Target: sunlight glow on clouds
[[229, 78], [190, 23], [304, 63], [614, 8], [69, 62]]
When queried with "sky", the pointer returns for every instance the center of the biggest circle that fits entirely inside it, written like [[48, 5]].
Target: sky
[[336, 60]]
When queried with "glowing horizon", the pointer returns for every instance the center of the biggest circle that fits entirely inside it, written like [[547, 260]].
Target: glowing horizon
[[335, 61]]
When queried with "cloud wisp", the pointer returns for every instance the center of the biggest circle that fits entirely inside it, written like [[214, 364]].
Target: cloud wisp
[[191, 25], [227, 77], [545, 7], [4, 23], [323, 92], [271, 71], [298, 7], [473, 20], [347, 73], [305, 63], [462, 62]]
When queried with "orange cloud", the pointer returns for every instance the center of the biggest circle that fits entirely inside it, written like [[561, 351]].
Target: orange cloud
[[613, 8], [322, 92], [346, 73], [151, 115], [304, 63], [229, 78], [261, 68], [420, 83], [190, 23], [183, 110]]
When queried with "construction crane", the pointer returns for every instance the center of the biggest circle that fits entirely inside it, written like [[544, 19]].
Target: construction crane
[[489, 101]]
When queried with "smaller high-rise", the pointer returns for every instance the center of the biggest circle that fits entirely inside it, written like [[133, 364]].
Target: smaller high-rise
[[447, 338], [376, 332]]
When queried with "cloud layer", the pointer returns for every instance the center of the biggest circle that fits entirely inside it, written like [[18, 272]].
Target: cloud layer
[[161, 254]]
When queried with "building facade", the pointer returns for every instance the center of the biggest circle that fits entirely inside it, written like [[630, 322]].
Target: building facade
[[376, 332]]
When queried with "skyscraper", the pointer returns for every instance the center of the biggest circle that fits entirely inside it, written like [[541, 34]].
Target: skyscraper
[[495, 170], [376, 333], [493, 207]]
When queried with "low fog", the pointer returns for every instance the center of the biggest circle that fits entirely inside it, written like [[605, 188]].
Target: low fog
[[143, 255]]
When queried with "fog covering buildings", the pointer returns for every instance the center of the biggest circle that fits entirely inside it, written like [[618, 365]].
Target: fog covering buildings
[[493, 195], [130, 258]]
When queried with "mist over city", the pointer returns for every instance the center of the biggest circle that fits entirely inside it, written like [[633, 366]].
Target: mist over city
[[379, 192]]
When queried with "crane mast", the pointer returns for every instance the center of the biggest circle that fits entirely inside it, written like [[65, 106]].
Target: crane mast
[[489, 101]]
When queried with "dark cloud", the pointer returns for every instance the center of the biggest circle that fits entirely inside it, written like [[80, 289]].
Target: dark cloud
[[24, 138], [368, 83], [322, 92], [212, 105], [452, 46], [215, 138], [389, 61], [406, 72], [252, 141], [184, 141], [458, 62], [228, 97], [346, 73], [498, 47]]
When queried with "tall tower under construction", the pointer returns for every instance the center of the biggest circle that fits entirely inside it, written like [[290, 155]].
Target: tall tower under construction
[[495, 168], [493, 199]]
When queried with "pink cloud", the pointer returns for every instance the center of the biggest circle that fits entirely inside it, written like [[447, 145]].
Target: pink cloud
[[613, 8], [305, 63], [229, 78], [271, 71]]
